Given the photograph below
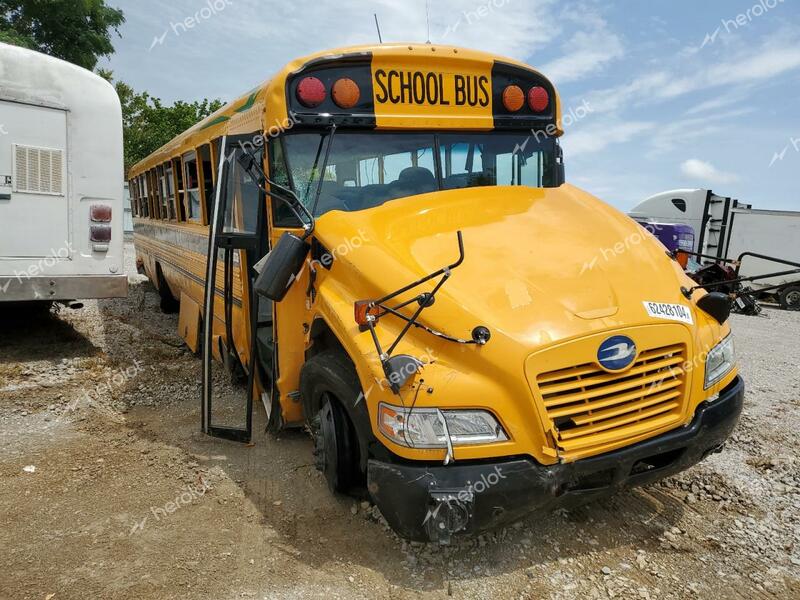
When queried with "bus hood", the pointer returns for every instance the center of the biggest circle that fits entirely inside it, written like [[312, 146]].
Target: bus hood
[[540, 265]]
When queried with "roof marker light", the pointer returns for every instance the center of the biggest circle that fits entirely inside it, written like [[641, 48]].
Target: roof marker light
[[538, 99], [311, 92], [513, 98], [345, 93]]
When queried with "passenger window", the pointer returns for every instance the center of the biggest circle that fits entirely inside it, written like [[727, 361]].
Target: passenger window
[[192, 183], [169, 188], [137, 197], [207, 175], [155, 201], [177, 168], [145, 207], [132, 195]]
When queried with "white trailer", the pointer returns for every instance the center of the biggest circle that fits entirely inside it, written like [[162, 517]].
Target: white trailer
[[61, 181], [727, 229]]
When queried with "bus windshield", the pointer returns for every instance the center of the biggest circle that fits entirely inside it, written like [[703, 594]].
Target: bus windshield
[[364, 170]]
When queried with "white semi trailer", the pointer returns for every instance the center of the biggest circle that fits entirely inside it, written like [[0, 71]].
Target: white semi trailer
[[61, 181], [727, 229]]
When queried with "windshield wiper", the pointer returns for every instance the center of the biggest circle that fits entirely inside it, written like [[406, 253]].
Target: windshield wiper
[[324, 167]]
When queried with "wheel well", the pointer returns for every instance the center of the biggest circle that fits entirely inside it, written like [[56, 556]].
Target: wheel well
[[323, 338], [161, 281]]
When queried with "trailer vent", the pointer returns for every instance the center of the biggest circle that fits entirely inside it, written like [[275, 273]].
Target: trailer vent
[[38, 170]]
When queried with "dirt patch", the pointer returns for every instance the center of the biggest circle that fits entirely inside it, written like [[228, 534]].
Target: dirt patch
[[108, 490]]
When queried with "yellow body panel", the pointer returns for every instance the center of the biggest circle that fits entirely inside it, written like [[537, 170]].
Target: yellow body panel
[[525, 278]]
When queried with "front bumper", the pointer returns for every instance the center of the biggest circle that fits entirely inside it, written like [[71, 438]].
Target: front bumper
[[430, 503]]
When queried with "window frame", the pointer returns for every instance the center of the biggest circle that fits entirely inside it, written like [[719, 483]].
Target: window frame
[[206, 202], [186, 158]]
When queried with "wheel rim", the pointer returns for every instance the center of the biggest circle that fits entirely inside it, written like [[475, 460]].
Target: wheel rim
[[793, 299], [333, 446]]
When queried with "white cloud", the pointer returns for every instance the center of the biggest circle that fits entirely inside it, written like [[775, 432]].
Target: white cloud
[[778, 55], [706, 172], [588, 50], [585, 54], [595, 138], [682, 134]]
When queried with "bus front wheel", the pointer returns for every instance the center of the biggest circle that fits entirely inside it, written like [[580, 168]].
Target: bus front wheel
[[326, 381]]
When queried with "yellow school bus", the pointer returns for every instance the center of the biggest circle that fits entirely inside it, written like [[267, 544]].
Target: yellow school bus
[[379, 243]]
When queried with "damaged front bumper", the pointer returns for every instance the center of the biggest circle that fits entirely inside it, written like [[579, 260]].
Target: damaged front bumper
[[431, 503]]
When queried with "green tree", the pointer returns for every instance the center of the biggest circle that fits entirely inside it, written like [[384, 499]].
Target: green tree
[[78, 31], [148, 124]]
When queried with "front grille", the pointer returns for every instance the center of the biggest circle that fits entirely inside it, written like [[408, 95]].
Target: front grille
[[590, 407]]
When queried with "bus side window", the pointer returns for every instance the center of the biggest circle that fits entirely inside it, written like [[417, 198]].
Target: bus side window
[[132, 193], [137, 197], [167, 209], [143, 199], [207, 176], [152, 186], [169, 185], [192, 185], [177, 167]]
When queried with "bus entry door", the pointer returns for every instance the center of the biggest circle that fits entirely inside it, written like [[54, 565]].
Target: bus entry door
[[237, 241]]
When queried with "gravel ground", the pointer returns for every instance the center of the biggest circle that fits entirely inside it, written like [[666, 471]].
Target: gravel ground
[[108, 490]]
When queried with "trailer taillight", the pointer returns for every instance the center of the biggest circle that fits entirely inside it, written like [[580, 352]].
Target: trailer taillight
[[100, 233], [100, 213]]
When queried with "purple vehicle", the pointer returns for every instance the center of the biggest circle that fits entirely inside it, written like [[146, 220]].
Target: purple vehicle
[[675, 236]]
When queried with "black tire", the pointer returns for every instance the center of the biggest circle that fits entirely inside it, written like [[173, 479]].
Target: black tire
[[790, 297], [327, 381]]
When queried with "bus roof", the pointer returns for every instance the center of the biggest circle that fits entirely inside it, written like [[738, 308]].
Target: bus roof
[[231, 118]]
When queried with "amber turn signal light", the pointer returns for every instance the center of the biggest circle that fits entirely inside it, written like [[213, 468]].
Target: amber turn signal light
[[513, 98], [363, 308], [345, 93]]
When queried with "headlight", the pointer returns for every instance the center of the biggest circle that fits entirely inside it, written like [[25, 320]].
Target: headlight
[[720, 361], [425, 427]]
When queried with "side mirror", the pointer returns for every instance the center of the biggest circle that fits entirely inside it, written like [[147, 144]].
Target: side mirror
[[399, 369], [280, 267], [716, 304]]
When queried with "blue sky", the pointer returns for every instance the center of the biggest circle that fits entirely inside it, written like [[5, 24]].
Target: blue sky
[[680, 93]]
